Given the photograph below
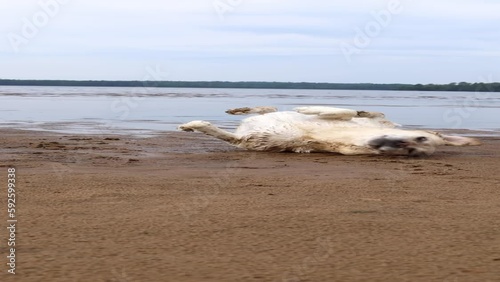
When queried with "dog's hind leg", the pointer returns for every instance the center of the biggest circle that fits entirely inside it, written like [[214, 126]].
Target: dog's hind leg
[[255, 110], [328, 112], [210, 129]]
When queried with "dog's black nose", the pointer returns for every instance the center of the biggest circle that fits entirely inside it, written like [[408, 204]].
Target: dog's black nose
[[385, 142], [421, 139]]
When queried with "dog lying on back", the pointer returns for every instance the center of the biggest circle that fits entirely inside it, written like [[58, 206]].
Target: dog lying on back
[[326, 129]]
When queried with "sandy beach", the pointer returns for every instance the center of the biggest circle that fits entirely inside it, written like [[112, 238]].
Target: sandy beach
[[185, 207]]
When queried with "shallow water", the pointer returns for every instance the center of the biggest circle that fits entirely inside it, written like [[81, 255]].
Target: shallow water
[[145, 111]]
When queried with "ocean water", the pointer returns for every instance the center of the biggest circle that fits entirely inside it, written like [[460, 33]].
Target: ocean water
[[146, 111]]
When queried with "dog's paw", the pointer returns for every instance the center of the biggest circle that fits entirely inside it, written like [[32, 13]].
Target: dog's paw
[[193, 125]]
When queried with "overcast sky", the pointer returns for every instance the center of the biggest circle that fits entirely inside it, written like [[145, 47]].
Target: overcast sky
[[388, 41]]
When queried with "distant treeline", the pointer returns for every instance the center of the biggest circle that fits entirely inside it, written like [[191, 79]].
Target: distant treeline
[[462, 86]]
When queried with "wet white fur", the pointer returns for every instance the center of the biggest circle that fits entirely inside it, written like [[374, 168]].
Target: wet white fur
[[322, 129]]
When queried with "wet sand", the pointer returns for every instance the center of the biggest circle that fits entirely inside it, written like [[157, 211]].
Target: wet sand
[[185, 207]]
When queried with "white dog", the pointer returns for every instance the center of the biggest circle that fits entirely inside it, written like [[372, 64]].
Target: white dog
[[326, 129]]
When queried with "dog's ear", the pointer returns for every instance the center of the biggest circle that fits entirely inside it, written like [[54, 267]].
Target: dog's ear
[[460, 141]]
